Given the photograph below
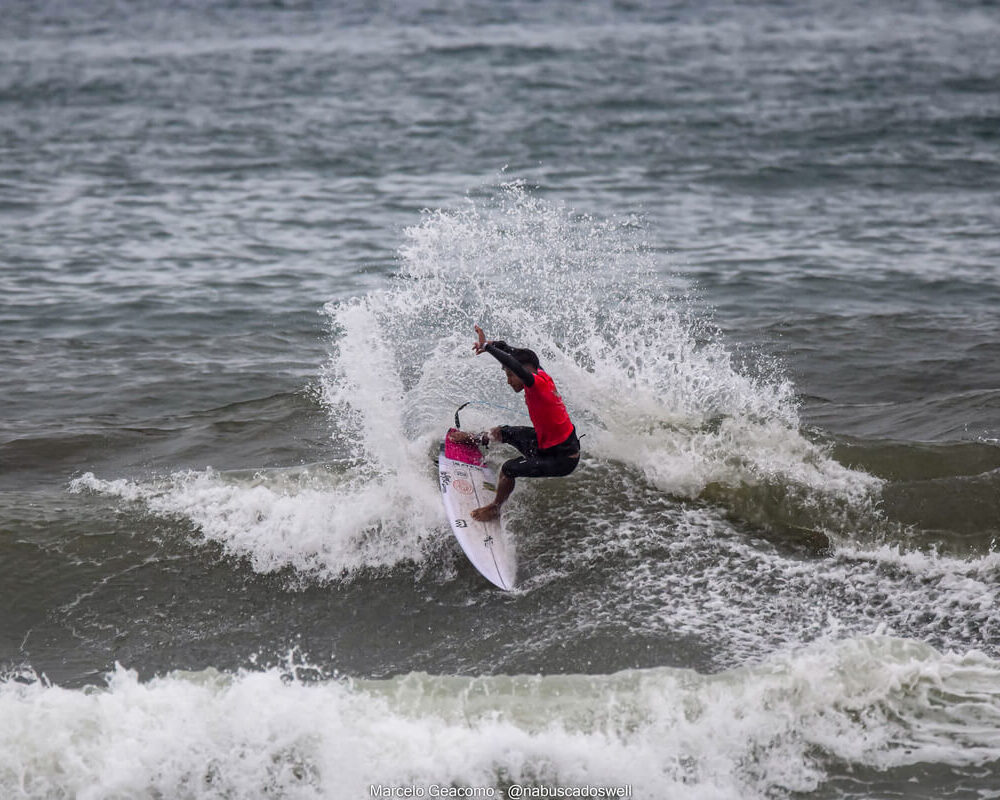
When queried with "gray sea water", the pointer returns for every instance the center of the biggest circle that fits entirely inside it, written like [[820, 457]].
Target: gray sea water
[[242, 249]]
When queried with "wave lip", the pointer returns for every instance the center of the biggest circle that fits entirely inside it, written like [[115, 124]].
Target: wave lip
[[789, 725]]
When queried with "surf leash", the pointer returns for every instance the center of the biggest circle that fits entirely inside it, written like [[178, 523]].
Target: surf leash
[[484, 404]]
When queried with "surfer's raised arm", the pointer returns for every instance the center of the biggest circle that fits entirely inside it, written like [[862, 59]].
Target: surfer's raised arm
[[504, 354]]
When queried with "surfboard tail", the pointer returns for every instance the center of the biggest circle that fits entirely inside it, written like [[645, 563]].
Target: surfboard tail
[[466, 453]]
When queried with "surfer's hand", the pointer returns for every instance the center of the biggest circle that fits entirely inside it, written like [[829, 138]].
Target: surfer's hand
[[478, 439], [479, 346]]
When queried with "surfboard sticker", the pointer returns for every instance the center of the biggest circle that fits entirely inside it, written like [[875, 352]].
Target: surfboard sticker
[[468, 483]]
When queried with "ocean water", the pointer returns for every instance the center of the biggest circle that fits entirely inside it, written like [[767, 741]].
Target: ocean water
[[242, 249]]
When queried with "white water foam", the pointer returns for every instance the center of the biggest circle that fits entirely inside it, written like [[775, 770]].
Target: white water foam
[[789, 725], [750, 598], [308, 520]]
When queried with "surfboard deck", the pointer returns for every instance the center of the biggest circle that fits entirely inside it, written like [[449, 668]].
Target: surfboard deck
[[468, 483]]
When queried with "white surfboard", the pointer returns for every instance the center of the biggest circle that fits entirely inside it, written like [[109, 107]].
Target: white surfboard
[[468, 483]]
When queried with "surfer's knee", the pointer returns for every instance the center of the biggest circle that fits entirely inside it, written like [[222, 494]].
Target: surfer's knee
[[510, 469]]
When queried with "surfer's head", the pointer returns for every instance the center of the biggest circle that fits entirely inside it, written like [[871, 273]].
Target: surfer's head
[[526, 357], [528, 360], [513, 381]]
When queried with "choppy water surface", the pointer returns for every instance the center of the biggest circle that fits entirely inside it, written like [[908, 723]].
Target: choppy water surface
[[243, 250]]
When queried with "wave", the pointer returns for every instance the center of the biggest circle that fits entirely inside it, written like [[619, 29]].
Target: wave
[[800, 721], [700, 506], [647, 377], [645, 374]]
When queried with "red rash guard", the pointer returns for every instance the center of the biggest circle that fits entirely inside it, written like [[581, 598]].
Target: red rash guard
[[547, 411], [545, 407]]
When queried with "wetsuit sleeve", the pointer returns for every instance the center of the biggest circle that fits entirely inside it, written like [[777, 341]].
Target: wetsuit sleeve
[[511, 363]]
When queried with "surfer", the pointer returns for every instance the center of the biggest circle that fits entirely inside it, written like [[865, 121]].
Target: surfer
[[550, 448]]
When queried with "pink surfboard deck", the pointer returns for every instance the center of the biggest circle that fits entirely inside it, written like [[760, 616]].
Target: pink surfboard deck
[[466, 453]]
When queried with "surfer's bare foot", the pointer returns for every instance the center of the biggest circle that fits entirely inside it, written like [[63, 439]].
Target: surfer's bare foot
[[486, 513]]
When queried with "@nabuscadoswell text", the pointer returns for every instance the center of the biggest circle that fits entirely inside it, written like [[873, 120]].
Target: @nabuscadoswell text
[[512, 792]]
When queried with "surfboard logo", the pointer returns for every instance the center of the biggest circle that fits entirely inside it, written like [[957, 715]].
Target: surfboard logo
[[462, 486]]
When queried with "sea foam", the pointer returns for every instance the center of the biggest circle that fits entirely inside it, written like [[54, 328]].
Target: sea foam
[[319, 524], [752, 732]]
